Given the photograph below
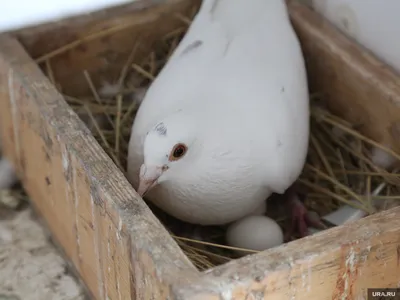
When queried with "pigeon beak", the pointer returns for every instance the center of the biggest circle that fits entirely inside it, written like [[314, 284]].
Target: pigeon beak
[[148, 178]]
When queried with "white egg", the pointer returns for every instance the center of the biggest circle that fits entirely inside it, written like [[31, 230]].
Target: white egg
[[255, 233]]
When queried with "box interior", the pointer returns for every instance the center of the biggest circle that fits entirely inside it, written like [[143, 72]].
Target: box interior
[[102, 46]]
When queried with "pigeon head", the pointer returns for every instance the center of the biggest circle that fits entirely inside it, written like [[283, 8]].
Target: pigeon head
[[168, 147]]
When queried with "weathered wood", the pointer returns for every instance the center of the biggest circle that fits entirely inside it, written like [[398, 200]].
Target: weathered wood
[[116, 244], [105, 40], [355, 84], [340, 263]]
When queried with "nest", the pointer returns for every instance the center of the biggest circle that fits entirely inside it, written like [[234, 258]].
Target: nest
[[339, 169]]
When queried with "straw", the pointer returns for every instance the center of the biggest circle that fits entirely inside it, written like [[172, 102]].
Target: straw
[[338, 171]]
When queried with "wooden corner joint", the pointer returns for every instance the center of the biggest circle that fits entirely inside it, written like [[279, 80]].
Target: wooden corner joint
[[341, 263]]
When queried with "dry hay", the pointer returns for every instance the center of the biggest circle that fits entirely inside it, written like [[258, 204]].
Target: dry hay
[[338, 169]]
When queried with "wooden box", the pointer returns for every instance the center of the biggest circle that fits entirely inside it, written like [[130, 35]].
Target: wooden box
[[115, 243]]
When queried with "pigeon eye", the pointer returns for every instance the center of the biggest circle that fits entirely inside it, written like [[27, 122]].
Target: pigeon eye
[[177, 152]]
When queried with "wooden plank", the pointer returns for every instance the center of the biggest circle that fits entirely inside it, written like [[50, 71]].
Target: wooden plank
[[44, 38], [340, 263], [116, 244], [101, 42], [355, 84]]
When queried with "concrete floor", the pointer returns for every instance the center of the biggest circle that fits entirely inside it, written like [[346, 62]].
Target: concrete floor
[[31, 268]]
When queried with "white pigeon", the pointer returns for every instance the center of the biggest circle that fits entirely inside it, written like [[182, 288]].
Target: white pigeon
[[226, 122]]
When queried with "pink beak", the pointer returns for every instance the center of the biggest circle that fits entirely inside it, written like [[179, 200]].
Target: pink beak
[[148, 178]]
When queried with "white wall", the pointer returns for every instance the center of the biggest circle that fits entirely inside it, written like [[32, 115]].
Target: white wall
[[375, 24], [17, 14]]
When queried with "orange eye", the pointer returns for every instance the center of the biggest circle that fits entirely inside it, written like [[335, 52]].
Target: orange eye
[[177, 152]]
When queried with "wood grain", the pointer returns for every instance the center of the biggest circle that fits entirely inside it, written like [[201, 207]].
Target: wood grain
[[117, 245], [101, 42], [340, 263], [354, 83]]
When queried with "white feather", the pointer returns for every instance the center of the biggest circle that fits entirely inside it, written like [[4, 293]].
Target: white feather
[[7, 174], [236, 88]]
